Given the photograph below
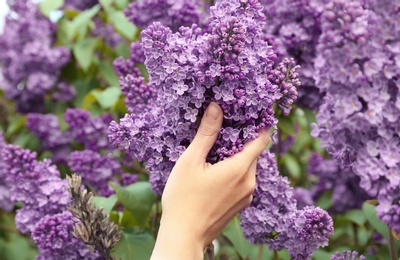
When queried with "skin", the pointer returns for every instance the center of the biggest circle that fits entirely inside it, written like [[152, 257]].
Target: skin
[[199, 198]]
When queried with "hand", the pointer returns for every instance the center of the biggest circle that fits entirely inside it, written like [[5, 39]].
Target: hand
[[199, 198]]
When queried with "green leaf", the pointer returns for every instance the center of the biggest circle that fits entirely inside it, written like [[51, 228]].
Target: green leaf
[[108, 97], [138, 198], [325, 201], [106, 203], [83, 88], [17, 248], [286, 125], [234, 233], [106, 4], [321, 254], [134, 245], [83, 52], [122, 24], [292, 164], [370, 214], [356, 216], [121, 4], [17, 122], [47, 6], [107, 72], [128, 220], [79, 25]]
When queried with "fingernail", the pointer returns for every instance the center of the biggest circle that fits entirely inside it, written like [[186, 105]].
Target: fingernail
[[212, 111]]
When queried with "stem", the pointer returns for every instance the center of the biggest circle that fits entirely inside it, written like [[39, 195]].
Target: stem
[[9, 229], [278, 151], [155, 218], [210, 252], [276, 256], [392, 246], [260, 252]]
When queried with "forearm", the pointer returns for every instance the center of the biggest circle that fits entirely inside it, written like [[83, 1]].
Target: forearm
[[174, 243]]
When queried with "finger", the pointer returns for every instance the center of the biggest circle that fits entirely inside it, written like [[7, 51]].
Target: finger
[[206, 135], [241, 162]]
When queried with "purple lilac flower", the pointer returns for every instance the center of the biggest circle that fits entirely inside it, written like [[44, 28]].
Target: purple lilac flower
[[293, 28], [347, 255], [303, 197], [344, 183], [64, 92], [6, 203], [272, 218], [357, 65], [43, 215], [47, 129], [170, 13], [266, 219], [90, 131], [97, 170], [309, 229], [107, 33], [30, 62], [189, 69], [80, 5], [36, 184], [54, 239]]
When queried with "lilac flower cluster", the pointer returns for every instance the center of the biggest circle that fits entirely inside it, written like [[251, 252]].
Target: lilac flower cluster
[[347, 255], [357, 65], [90, 131], [344, 183], [47, 129], [53, 236], [107, 33], [6, 203], [80, 5], [170, 13], [272, 218], [97, 170], [293, 28], [37, 184], [30, 62], [230, 65]]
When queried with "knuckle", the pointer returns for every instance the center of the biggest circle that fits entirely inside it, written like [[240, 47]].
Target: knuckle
[[207, 130]]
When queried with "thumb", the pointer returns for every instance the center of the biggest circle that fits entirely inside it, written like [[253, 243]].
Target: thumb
[[207, 134]]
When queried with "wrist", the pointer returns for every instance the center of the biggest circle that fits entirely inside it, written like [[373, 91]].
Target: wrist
[[175, 242]]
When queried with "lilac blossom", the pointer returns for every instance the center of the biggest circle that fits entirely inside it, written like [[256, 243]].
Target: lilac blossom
[[47, 129], [90, 131], [293, 27], [347, 255], [245, 84], [272, 218], [37, 184], [98, 170], [357, 65], [171, 13], [54, 239], [344, 183], [6, 203], [30, 61]]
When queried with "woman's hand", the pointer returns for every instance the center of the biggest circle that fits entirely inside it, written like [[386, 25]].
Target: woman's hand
[[199, 198]]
